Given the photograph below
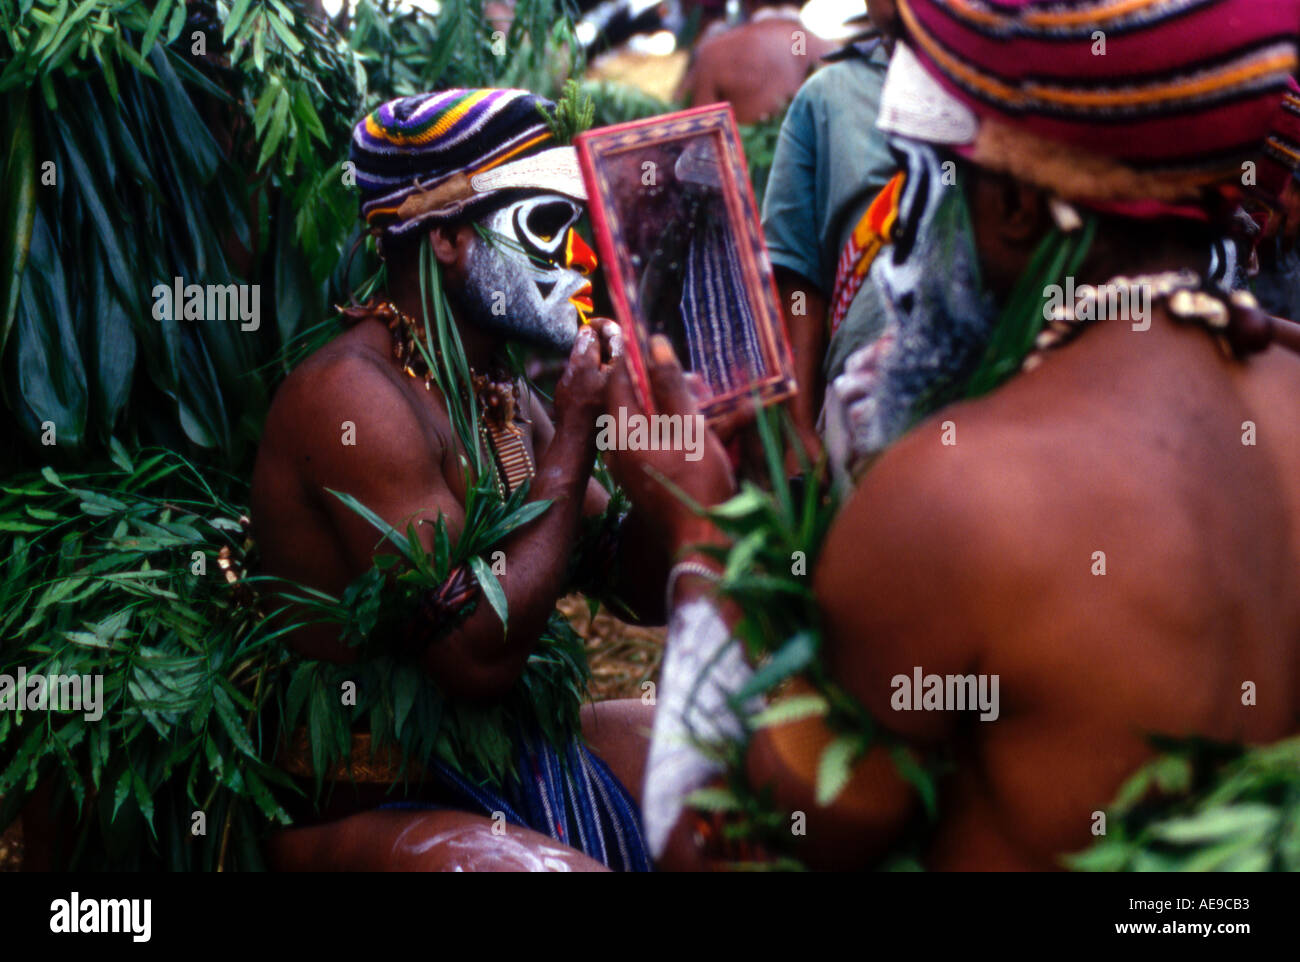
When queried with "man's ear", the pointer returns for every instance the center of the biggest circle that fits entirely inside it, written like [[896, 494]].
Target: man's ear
[[1022, 212], [445, 241], [1009, 219]]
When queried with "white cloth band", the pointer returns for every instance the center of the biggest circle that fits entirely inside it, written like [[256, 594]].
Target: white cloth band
[[697, 568], [914, 104], [554, 171], [703, 665]]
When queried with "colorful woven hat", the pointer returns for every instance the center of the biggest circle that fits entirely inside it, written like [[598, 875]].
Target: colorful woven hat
[[445, 156], [1279, 161], [1108, 100]]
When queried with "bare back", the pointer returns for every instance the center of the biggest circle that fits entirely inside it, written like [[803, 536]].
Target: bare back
[[757, 67], [985, 555]]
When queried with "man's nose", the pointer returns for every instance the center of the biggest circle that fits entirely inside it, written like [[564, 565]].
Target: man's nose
[[577, 255]]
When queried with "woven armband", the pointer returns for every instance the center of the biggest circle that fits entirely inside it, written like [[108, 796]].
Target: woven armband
[[440, 609]]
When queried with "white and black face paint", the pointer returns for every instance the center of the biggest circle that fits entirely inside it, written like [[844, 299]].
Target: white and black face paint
[[938, 312], [526, 280]]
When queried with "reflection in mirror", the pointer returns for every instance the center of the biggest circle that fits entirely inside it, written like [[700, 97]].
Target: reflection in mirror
[[683, 250]]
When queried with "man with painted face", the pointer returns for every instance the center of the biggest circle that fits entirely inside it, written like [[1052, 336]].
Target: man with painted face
[[466, 195], [1093, 500]]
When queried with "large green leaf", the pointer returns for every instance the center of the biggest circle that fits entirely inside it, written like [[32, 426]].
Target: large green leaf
[[48, 370], [92, 191], [113, 360], [17, 207], [492, 589]]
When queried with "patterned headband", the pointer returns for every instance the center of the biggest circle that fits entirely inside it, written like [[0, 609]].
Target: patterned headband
[[1279, 161], [1123, 100], [443, 156]]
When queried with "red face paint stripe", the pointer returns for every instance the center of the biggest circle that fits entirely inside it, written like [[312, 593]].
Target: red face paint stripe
[[578, 255]]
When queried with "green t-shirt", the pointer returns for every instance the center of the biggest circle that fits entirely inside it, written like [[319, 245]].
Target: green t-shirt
[[830, 162]]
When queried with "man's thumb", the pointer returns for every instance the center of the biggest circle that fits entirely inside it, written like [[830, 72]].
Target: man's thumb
[[668, 383]]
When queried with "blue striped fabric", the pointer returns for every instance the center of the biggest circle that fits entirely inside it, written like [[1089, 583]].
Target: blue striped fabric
[[721, 332], [570, 796]]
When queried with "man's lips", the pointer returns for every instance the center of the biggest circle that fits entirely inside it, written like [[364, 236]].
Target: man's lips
[[582, 299]]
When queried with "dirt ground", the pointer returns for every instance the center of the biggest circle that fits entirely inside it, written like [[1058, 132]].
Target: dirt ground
[[622, 658], [658, 76]]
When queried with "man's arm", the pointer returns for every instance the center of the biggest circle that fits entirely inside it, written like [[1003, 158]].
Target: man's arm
[[877, 801], [793, 238], [804, 308], [874, 806], [640, 566], [899, 578], [399, 471]]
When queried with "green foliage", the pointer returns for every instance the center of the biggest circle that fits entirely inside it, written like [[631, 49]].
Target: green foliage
[[405, 52], [775, 537], [199, 689], [85, 340], [398, 702], [218, 168], [17, 216], [758, 140], [50, 38], [614, 103], [100, 580], [135, 146], [574, 112], [1201, 806], [443, 352]]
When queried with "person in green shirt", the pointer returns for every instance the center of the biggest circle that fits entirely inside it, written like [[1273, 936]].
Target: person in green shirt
[[830, 162]]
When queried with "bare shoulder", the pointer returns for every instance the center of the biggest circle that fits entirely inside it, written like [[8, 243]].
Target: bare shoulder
[[1270, 385], [956, 480], [933, 533], [1271, 381], [346, 367], [973, 504], [1021, 487], [346, 400]]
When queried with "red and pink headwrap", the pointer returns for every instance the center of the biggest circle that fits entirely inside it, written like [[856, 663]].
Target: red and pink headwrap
[[1279, 161], [1134, 104]]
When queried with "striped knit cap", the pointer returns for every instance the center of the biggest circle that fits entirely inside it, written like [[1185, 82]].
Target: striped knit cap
[[1279, 161], [1119, 100], [426, 159]]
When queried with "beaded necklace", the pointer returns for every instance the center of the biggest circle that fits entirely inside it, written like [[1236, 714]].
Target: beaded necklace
[[498, 399], [1183, 293]]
